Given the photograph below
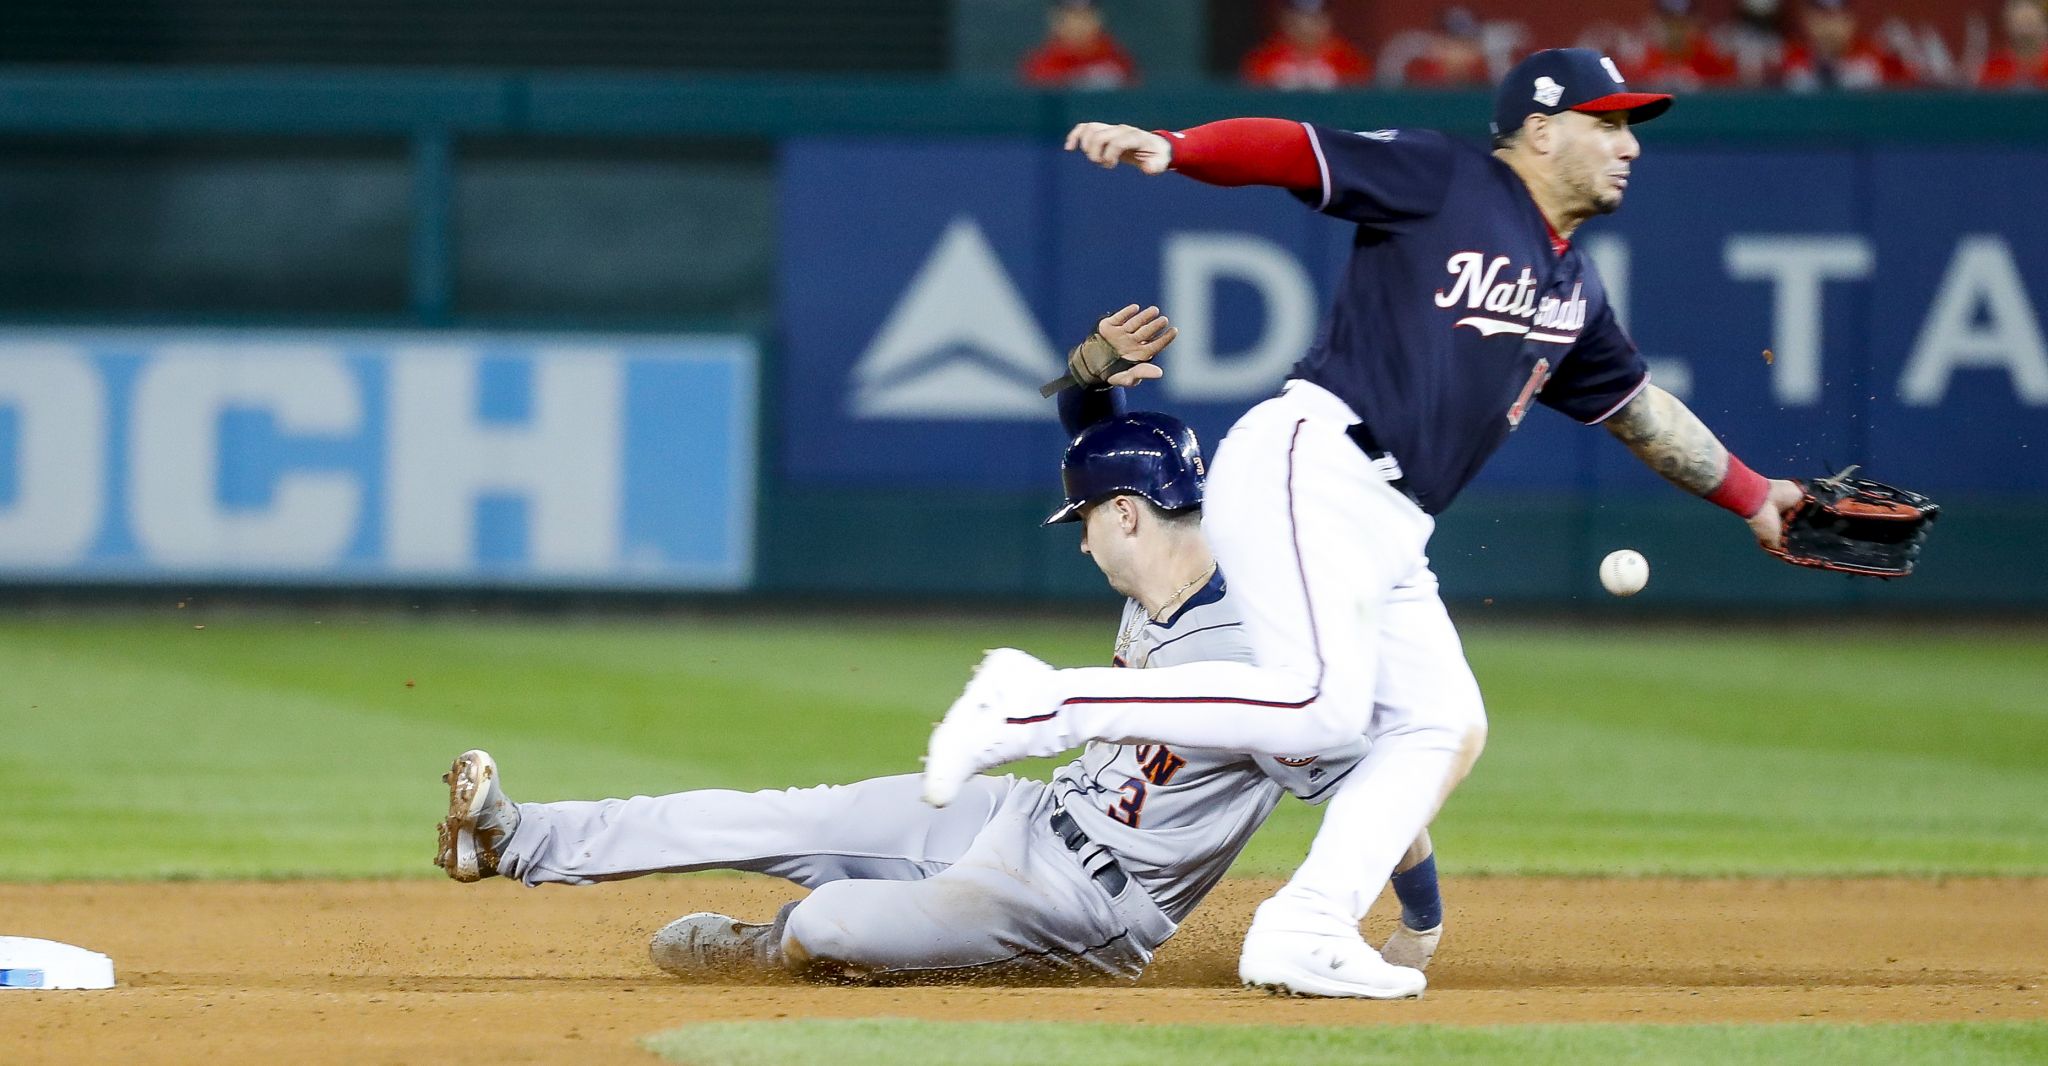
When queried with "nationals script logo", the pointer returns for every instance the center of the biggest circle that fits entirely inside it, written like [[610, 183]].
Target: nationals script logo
[[1512, 305]]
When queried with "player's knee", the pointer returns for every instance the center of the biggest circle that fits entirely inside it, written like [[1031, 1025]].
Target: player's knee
[[1468, 708], [1459, 717], [1471, 713], [805, 936], [813, 940], [1469, 749]]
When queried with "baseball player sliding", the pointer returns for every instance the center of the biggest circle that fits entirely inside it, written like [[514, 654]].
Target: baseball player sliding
[[1087, 874], [1464, 301]]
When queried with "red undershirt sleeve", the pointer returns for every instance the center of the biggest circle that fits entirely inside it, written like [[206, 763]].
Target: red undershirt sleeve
[[1247, 151]]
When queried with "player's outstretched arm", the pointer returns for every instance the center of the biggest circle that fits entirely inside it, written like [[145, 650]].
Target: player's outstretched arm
[[1671, 440], [1232, 151], [1106, 145]]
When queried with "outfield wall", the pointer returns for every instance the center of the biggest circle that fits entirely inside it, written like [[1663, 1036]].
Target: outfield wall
[[371, 458], [1844, 315], [906, 261]]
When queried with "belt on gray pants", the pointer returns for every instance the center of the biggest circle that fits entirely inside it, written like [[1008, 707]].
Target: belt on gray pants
[[1110, 876]]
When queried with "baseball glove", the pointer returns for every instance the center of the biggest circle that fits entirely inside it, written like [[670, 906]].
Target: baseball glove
[[1853, 526]]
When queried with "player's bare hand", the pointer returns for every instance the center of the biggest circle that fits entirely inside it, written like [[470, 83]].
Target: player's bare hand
[[1139, 335], [1106, 145], [1769, 522]]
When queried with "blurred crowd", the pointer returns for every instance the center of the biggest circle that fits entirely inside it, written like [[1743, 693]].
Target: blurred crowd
[[1793, 45]]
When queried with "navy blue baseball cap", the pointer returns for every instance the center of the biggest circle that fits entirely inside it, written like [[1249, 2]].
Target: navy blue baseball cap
[[1140, 454], [1569, 79]]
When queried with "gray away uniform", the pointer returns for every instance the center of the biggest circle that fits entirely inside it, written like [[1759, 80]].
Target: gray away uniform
[[1088, 873]]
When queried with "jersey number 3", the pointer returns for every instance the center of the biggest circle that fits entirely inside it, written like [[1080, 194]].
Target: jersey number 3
[[1131, 808], [1158, 763], [1538, 374]]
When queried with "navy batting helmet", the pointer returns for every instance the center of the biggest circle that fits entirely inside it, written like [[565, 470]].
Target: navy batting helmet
[[1141, 454]]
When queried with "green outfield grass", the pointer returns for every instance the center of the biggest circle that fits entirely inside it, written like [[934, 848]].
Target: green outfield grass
[[886, 1042], [297, 743]]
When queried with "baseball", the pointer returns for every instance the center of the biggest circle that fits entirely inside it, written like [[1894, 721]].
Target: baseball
[[1625, 572]]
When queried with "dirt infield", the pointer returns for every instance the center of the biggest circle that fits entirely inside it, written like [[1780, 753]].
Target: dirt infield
[[418, 971]]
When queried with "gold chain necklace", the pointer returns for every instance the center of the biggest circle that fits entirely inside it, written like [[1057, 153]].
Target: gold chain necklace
[[1137, 623]]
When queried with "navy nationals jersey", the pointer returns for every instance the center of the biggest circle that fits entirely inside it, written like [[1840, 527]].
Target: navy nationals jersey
[[1455, 310]]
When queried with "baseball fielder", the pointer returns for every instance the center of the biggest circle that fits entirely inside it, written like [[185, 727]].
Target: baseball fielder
[[1463, 303], [1087, 874]]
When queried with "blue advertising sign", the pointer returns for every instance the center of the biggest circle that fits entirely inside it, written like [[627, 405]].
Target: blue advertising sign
[[377, 458], [1816, 307]]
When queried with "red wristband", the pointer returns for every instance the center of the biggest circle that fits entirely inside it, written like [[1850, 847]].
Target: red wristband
[[1742, 490]]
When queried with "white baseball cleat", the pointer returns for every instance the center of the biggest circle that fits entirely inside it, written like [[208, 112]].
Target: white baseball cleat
[[1317, 964], [1412, 948], [480, 819], [1005, 714]]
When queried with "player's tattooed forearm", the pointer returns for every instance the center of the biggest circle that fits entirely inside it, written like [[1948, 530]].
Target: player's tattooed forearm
[[1671, 440]]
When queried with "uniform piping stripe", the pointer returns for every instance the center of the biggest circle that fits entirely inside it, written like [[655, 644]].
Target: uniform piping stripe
[[1632, 394], [1294, 533], [1330, 784], [1322, 165], [1192, 632], [1233, 700]]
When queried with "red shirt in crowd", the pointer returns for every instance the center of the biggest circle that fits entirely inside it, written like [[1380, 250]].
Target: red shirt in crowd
[[2004, 70], [1100, 64], [1432, 72], [1282, 64], [1699, 63]]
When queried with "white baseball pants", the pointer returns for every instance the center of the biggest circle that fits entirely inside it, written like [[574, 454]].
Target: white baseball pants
[[1326, 562]]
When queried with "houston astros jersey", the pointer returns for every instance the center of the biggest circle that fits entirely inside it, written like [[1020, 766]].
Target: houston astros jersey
[[1177, 817], [1456, 309]]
